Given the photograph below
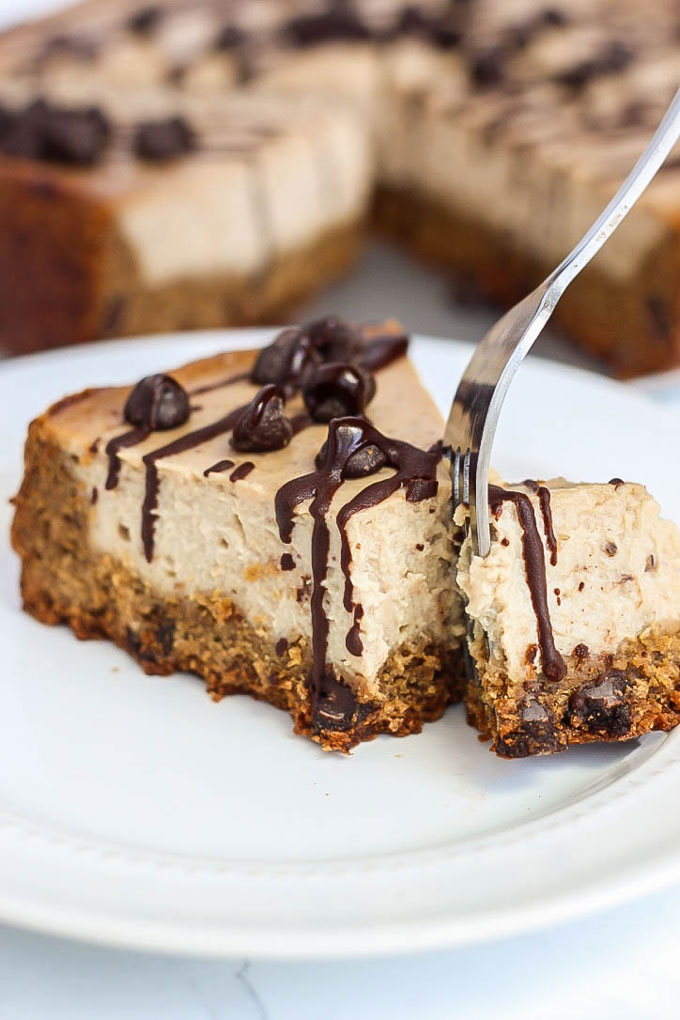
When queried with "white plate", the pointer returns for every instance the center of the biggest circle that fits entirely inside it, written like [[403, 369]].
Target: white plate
[[134, 810]]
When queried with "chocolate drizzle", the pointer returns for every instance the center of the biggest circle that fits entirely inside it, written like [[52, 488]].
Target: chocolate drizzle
[[346, 437], [381, 351], [181, 445], [534, 566], [113, 447], [221, 465], [242, 471], [546, 512]]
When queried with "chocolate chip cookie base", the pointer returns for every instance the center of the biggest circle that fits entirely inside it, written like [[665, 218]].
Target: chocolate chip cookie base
[[605, 697], [62, 581], [91, 286], [633, 324]]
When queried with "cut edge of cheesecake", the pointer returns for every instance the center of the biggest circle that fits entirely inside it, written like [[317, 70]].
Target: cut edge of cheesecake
[[576, 617], [250, 616]]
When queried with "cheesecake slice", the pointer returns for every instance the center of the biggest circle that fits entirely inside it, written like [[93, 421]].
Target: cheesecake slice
[[576, 617], [275, 521]]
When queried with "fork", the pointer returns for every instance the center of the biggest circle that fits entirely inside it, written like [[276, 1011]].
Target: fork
[[470, 430]]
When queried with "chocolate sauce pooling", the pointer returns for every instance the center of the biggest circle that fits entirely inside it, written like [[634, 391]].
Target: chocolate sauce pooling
[[346, 436], [534, 566]]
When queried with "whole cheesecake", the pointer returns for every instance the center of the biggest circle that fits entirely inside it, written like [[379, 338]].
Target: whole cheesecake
[[279, 522], [179, 164]]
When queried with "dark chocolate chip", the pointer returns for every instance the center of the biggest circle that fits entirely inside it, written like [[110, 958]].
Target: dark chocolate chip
[[535, 734], [366, 461], [487, 68], [611, 548], [157, 402], [581, 651], [335, 25], [144, 21], [616, 482], [338, 390], [230, 37], [75, 136], [334, 339], [287, 562], [612, 58], [157, 140], [43, 131], [262, 425], [553, 16], [335, 706], [281, 646], [600, 705], [286, 361]]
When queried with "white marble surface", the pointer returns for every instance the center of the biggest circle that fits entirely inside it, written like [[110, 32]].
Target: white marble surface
[[621, 964]]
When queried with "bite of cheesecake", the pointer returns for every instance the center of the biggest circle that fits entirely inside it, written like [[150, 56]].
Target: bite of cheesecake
[[576, 614]]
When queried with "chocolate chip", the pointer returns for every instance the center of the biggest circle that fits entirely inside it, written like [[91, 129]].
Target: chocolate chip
[[611, 59], [67, 135], [616, 482], [287, 562], [281, 646], [600, 706], [75, 136], [144, 21], [157, 402], [487, 68], [335, 25], [334, 339], [157, 140], [335, 706], [553, 16], [338, 390], [365, 461], [286, 361], [230, 37], [581, 651], [262, 425], [536, 732], [611, 548], [581, 585], [441, 32]]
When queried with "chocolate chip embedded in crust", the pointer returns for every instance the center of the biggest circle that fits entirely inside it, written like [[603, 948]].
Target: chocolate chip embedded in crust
[[157, 140], [157, 402], [335, 706], [286, 361], [144, 20], [262, 425], [338, 390], [600, 706], [536, 732], [581, 651]]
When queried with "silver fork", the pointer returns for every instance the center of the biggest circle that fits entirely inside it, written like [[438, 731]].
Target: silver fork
[[471, 427]]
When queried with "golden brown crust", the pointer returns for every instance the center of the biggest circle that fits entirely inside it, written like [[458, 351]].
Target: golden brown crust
[[604, 697], [633, 324], [61, 233], [62, 581]]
